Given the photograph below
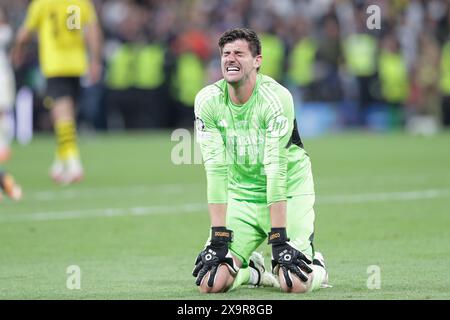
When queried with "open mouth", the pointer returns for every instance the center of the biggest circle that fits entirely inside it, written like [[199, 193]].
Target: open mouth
[[233, 69]]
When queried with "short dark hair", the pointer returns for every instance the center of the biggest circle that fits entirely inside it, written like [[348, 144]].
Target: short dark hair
[[242, 33]]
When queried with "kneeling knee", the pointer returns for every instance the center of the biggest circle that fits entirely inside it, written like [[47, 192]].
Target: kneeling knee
[[223, 280], [298, 286]]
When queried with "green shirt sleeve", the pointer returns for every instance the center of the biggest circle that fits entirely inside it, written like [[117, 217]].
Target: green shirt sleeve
[[279, 122], [212, 148]]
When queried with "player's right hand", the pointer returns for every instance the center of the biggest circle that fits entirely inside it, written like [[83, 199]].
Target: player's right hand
[[214, 254], [287, 258]]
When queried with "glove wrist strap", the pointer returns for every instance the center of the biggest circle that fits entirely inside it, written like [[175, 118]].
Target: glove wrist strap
[[277, 236], [221, 234]]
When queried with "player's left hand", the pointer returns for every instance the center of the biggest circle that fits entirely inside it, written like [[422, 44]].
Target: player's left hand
[[214, 254], [287, 258], [95, 72]]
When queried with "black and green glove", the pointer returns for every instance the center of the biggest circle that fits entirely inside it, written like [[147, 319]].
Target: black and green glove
[[214, 254], [287, 258]]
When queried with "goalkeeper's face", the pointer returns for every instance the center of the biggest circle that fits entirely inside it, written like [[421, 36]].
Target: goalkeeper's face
[[237, 62]]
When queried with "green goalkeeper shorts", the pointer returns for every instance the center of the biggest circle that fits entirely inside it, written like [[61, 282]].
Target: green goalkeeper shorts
[[250, 222]]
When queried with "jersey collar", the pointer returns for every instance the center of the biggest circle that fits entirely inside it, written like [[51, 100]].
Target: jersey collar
[[243, 107]]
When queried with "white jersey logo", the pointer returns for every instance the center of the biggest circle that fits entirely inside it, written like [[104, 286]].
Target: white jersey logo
[[278, 126]]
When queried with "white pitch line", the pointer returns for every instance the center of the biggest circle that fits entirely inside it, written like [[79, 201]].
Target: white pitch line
[[99, 213], [385, 196], [383, 179], [51, 195], [197, 207], [174, 189]]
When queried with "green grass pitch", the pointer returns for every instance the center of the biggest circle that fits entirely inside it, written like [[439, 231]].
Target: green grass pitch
[[137, 222]]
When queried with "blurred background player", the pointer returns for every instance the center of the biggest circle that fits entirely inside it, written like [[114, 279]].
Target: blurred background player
[[62, 28], [7, 88], [7, 92]]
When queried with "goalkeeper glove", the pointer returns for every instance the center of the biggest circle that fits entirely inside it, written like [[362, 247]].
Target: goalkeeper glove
[[286, 257], [214, 254]]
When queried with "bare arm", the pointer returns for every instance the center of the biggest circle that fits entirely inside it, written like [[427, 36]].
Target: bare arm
[[23, 37], [278, 214], [94, 40], [218, 213]]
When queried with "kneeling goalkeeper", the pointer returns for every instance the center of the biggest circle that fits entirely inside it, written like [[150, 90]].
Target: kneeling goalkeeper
[[260, 184]]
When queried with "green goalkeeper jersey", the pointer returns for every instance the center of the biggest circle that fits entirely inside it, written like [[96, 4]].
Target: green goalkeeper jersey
[[252, 151]]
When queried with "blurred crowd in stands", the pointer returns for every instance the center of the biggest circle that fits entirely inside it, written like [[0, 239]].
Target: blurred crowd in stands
[[159, 53]]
